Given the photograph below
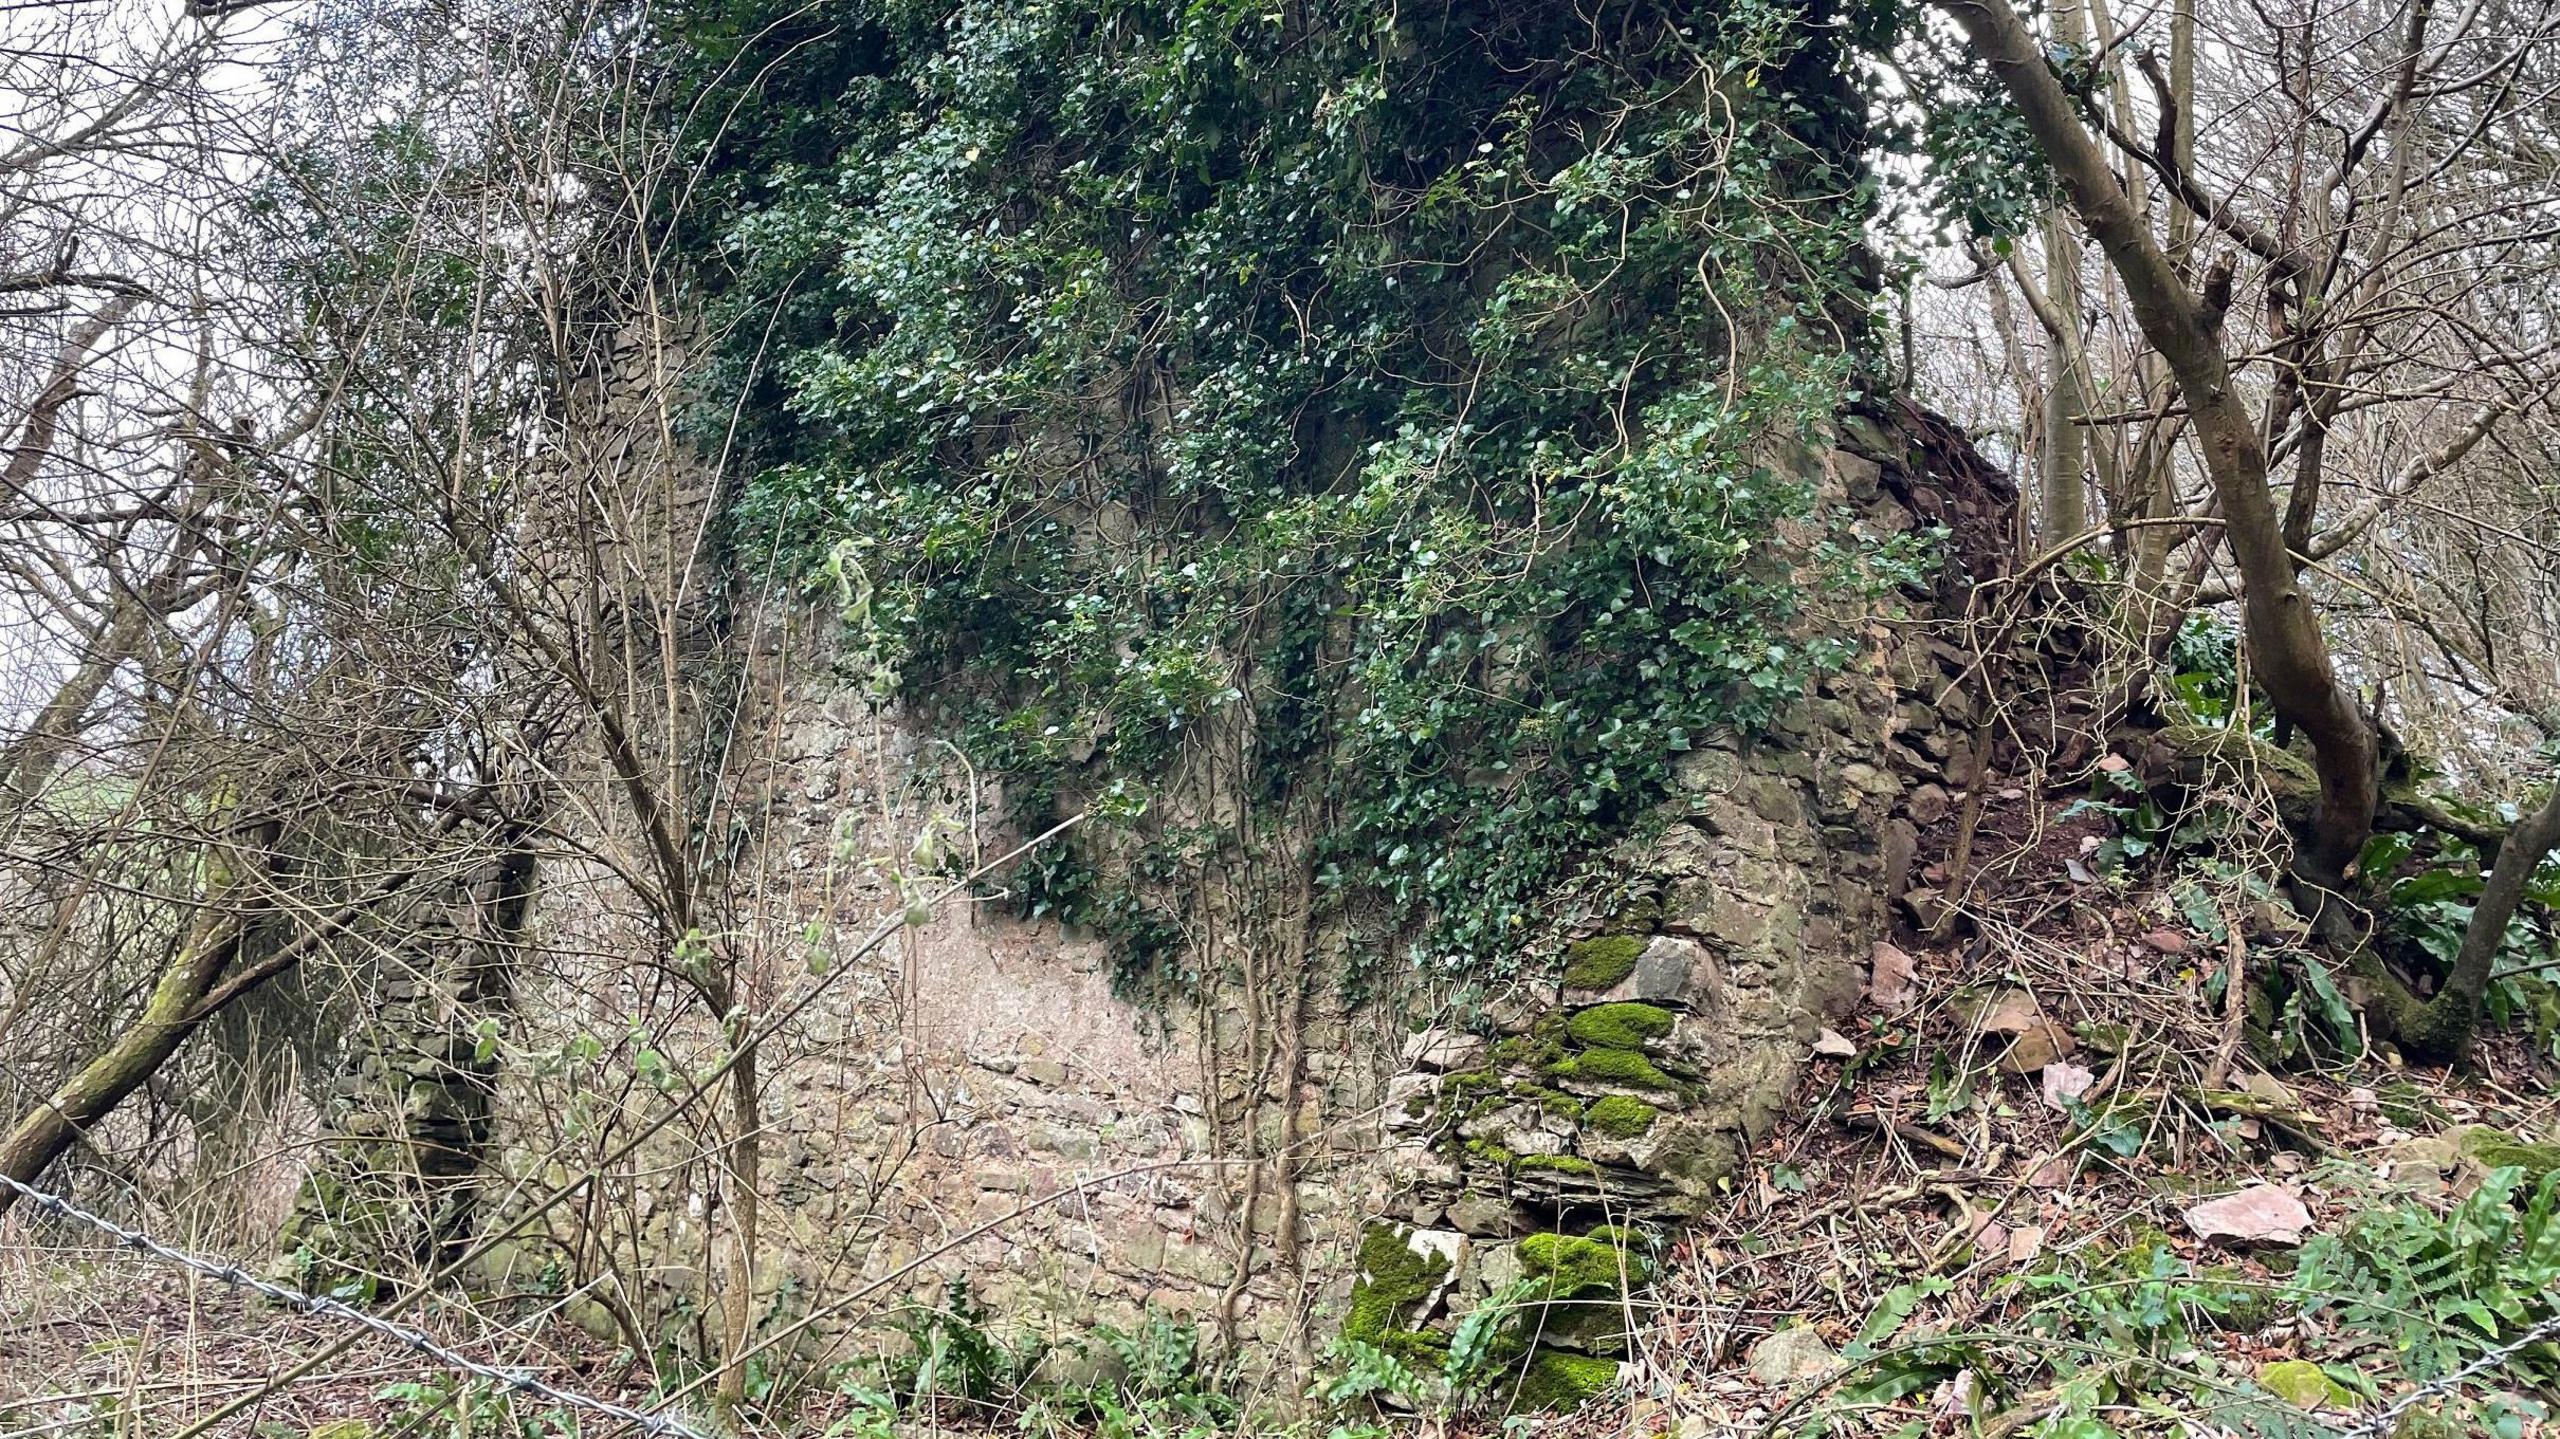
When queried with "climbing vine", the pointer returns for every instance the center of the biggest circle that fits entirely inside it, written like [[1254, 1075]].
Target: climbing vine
[[1409, 404]]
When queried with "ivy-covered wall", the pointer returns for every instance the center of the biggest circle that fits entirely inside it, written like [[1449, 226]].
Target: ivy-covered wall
[[1598, 1107], [1398, 473], [981, 1102], [1324, 437]]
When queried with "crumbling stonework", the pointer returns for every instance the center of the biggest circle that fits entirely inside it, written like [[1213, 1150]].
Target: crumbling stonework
[[1630, 1091], [973, 1100], [409, 1122]]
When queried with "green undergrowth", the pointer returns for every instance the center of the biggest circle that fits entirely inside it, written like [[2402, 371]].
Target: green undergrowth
[[2142, 1337], [2422, 884], [1160, 1379]]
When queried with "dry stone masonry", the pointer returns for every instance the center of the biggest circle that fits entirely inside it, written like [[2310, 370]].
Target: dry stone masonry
[[975, 1103], [1623, 1098]]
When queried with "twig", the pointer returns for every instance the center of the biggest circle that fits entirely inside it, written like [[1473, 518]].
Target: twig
[[2235, 1014]]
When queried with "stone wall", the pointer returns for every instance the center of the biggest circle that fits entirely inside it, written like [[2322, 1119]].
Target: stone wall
[[972, 1100], [1625, 1097]]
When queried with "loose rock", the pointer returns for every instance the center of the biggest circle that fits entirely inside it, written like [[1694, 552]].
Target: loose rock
[[2260, 1214], [1792, 1355]]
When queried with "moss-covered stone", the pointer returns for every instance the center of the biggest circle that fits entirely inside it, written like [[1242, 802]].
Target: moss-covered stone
[[2497, 1149], [1640, 913], [1612, 1066], [1586, 1326], [2304, 1385], [2230, 750], [1581, 1266], [1620, 1116], [1619, 1026], [2406, 1105], [1555, 1164], [1395, 1281], [2248, 1303], [1600, 962], [1554, 1381]]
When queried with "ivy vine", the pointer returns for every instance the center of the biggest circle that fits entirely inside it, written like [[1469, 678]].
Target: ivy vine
[[1412, 399]]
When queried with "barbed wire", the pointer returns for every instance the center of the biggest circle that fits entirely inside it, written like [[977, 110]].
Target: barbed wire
[[516, 1380], [2387, 1419], [523, 1381]]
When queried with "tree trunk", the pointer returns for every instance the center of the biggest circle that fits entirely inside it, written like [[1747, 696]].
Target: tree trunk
[[42, 1134], [2290, 656], [2065, 508], [2442, 1028], [2064, 453]]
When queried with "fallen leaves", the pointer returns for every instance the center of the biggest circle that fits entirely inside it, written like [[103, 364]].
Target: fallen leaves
[[2034, 1040], [2065, 1083]]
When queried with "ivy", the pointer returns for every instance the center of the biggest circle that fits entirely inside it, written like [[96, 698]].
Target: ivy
[[1383, 412]]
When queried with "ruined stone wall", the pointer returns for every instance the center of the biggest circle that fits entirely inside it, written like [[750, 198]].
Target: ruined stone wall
[[971, 1099], [1625, 1097]]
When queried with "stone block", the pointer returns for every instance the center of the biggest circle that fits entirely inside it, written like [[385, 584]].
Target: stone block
[[1443, 1050], [1410, 1100], [1673, 971]]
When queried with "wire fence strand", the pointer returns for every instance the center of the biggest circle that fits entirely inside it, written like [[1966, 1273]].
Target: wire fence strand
[[514, 1380], [2386, 1420]]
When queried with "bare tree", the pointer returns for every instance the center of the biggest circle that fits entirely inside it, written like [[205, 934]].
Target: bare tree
[[2380, 189]]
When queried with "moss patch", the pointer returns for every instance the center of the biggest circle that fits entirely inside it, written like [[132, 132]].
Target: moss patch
[[1554, 1381], [2285, 772], [2251, 1301], [1394, 1282], [2497, 1149], [2407, 1106], [1586, 1326], [1620, 1116], [1601, 962], [1557, 1102], [1619, 1026], [1612, 1066], [1556, 1164], [1580, 1266], [2304, 1385]]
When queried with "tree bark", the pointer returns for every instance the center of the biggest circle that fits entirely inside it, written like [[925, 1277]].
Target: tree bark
[[2064, 511], [2065, 508]]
